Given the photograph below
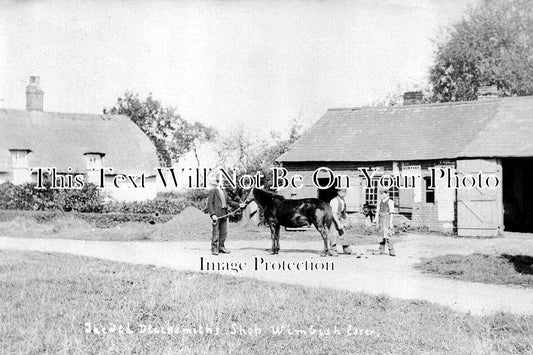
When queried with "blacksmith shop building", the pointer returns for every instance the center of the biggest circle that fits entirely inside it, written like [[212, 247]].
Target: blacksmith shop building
[[74, 143], [493, 136]]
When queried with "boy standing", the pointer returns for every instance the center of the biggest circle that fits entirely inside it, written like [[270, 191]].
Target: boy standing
[[384, 212]]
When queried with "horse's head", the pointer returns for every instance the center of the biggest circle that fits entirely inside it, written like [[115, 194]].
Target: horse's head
[[250, 197], [261, 197]]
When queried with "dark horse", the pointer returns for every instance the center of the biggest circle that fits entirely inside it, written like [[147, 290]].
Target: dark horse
[[279, 211]]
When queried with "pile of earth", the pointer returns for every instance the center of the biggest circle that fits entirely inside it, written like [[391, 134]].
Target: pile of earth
[[191, 223]]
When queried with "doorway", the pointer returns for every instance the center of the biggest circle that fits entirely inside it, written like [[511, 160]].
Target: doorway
[[518, 194], [328, 194]]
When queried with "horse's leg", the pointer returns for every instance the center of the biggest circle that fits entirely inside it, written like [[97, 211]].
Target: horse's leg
[[274, 234], [324, 234], [273, 237], [277, 239]]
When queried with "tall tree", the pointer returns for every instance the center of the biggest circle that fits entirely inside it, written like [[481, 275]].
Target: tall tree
[[250, 155], [172, 135], [197, 134], [238, 149], [492, 45], [266, 158]]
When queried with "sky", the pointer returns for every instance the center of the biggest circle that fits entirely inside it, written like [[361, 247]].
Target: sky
[[227, 64]]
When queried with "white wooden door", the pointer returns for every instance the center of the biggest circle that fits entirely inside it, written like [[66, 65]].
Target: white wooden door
[[479, 210]]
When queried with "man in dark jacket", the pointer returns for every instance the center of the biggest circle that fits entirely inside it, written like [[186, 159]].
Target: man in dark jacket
[[217, 206]]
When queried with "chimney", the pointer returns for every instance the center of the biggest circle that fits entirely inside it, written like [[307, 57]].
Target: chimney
[[488, 92], [34, 95], [413, 98]]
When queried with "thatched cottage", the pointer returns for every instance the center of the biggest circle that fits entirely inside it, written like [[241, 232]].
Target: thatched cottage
[[75, 144]]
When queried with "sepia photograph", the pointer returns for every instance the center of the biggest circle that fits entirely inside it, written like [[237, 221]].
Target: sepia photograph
[[266, 177]]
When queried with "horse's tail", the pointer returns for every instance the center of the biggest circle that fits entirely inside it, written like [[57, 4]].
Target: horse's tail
[[328, 217], [329, 220]]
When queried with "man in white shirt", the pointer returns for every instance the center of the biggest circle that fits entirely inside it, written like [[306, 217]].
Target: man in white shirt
[[338, 207], [384, 213]]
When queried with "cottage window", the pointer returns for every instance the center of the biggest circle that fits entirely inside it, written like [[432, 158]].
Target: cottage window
[[430, 192], [20, 166], [94, 162]]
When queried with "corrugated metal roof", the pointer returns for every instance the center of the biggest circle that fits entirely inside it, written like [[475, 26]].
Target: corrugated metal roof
[[489, 128], [61, 140]]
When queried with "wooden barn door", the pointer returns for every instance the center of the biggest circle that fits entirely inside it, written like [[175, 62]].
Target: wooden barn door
[[354, 196], [479, 211]]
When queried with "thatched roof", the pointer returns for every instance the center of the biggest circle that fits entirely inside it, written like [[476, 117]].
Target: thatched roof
[[61, 140], [489, 128]]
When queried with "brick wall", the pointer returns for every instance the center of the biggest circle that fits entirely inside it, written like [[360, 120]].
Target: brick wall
[[426, 215]]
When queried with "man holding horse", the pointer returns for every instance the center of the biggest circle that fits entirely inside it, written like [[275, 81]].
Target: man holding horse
[[217, 206], [338, 208]]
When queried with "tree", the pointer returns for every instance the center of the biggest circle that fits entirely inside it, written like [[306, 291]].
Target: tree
[[493, 45], [251, 155], [172, 135], [266, 158], [195, 135]]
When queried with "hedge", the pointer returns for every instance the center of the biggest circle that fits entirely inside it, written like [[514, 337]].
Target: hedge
[[89, 199], [28, 197], [99, 220], [152, 206], [107, 220]]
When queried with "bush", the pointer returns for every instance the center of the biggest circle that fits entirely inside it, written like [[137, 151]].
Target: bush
[[197, 195], [28, 197], [151, 206], [38, 216], [107, 220], [87, 199], [17, 196]]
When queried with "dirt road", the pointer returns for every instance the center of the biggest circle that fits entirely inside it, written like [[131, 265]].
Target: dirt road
[[394, 277]]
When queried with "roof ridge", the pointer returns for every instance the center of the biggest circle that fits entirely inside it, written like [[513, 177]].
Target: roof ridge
[[63, 115], [434, 104]]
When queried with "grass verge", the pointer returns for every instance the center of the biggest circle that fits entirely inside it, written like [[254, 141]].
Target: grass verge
[[48, 300], [495, 269], [74, 228]]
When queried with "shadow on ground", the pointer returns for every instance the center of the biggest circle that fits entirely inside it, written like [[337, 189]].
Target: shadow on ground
[[283, 251], [523, 264]]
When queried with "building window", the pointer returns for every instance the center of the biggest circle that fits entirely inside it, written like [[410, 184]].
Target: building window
[[20, 166], [371, 194], [19, 159], [430, 192], [94, 161], [394, 194]]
